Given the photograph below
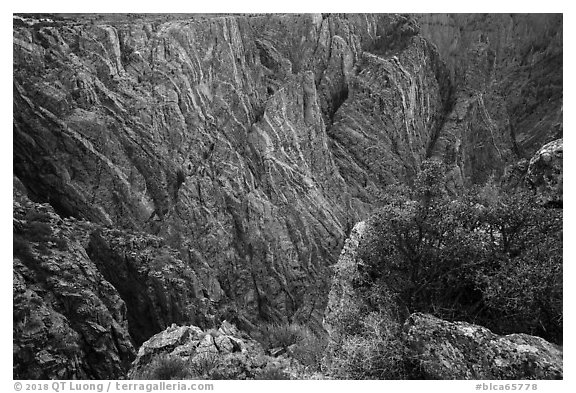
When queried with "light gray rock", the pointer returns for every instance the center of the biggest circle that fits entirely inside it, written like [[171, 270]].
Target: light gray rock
[[343, 299], [459, 350]]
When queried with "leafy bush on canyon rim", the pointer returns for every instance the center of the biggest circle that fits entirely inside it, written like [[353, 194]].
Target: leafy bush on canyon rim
[[488, 257]]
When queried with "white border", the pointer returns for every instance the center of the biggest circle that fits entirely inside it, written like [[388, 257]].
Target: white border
[[412, 6]]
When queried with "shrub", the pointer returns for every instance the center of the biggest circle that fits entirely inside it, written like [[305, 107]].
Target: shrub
[[203, 365], [419, 248], [310, 350], [374, 352], [273, 373], [165, 367], [234, 366], [22, 249], [281, 335], [39, 216], [38, 231], [521, 282], [487, 257], [305, 346]]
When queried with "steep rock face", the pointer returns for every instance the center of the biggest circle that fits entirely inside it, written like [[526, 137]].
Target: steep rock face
[[84, 295], [507, 73], [396, 102], [69, 322], [459, 350], [211, 133], [157, 287], [373, 147]]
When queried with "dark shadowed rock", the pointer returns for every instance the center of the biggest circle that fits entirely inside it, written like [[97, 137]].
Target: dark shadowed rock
[[159, 289], [459, 350], [84, 295], [69, 322]]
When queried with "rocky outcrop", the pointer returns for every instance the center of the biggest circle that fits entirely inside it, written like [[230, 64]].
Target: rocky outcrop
[[371, 147], [225, 353], [459, 350], [84, 295], [545, 173], [178, 339], [158, 288], [343, 299], [69, 322]]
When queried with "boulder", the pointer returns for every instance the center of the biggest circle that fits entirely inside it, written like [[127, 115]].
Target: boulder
[[169, 339], [205, 355], [459, 350], [224, 344]]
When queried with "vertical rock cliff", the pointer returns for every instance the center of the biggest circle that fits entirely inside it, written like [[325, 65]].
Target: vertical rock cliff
[[507, 73]]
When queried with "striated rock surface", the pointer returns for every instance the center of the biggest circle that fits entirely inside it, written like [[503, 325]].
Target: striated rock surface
[[212, 134], [342, 298], [459, 350], [158, 288], [507, 76]]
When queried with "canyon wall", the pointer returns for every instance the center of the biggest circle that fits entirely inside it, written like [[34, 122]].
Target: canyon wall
[[241, 150], [507, 72]]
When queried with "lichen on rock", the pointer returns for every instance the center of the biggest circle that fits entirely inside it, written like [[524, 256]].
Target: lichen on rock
[[459, 350]]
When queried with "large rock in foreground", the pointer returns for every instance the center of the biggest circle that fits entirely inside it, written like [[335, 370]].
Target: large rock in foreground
[[432, 348], [459, 350], [188, 352]]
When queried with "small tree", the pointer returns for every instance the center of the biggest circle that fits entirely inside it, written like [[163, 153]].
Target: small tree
[[487, 257]]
